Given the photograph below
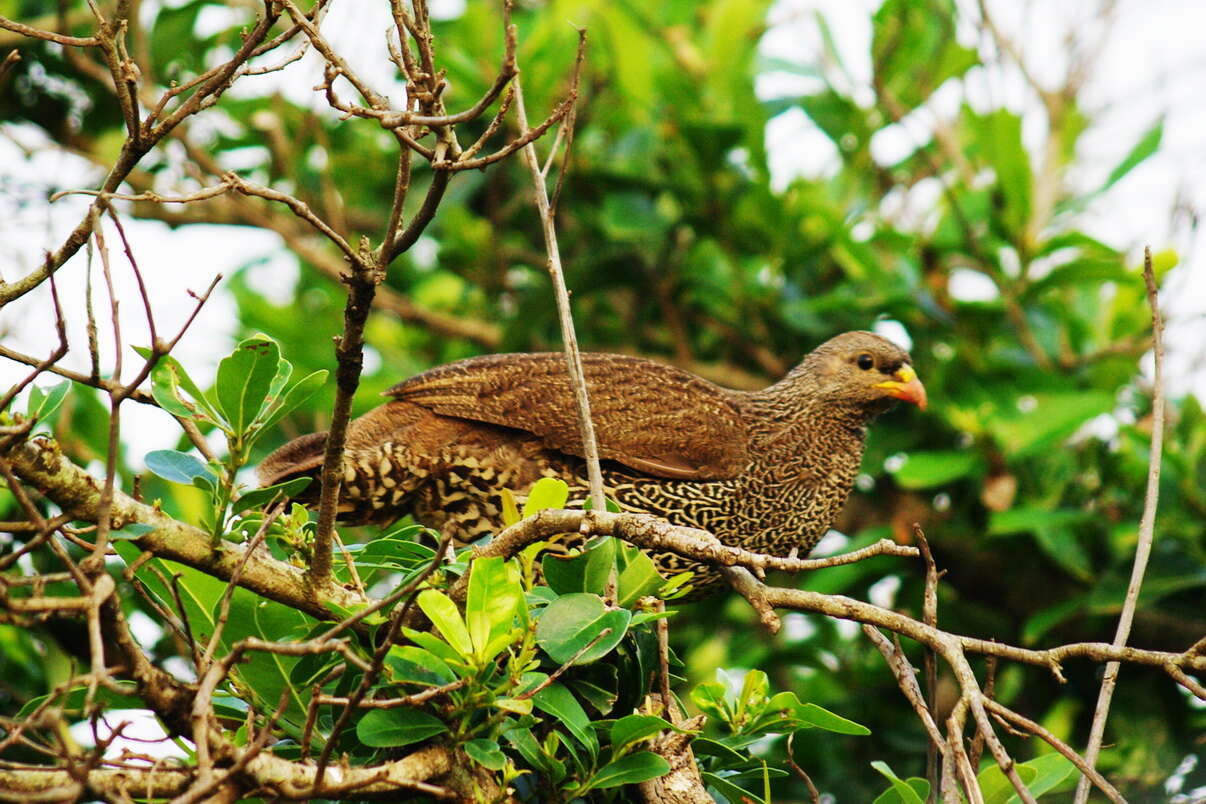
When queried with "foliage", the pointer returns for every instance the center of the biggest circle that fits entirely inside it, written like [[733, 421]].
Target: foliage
[[681, 243]]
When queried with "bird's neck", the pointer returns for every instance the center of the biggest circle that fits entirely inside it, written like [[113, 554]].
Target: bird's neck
[[793, 406]]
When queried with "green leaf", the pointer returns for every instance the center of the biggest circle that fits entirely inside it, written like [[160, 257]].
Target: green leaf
[[179, 467], [486, 753], [914, 49], [1049, 419], [510, 511], [547, 492], [638, 575], [167, 378], [1079, 273], [494, 599], [998, 139], [632, 729], [1148, 144], [893, 796], [1030, 520], [257, 498], [711, 698], [244, 378], [572, 622], [902, 789], [518, 706], [632, 769], [587, 572], [535, 755], [728, 757], [409, 664], [437, 646], [729, 790], [1065, 549], [1050, 770], [43, 404], [443, 614], [922, 470], [559, 702], [390, 728], [302, 390], [822, 718], [608, 504], [996, 788]]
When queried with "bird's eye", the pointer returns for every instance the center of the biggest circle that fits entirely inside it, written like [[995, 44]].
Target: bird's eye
[[866, 362]]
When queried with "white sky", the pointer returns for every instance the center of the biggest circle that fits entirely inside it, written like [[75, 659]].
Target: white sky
[[1151, 66]]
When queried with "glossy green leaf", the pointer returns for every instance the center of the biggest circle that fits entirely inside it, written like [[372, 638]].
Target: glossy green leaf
[[179, 467], [257, 498], [586, 572], [729, 790], [168, 379], [609, 504], [409, 664], [493, 602], [894, 796], [997, 788], [559, 702], [391, 728], [711, 698], [43, 403], [632, 769], [573, 622], [534, 754], [822, 718], [1050, 771], [244, 378], [638, 575], [631, 729], [906, 793], [443, 614], [296, 396], [486, 753]]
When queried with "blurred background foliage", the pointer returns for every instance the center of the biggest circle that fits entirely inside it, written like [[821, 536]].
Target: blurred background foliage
[[1028, 469]]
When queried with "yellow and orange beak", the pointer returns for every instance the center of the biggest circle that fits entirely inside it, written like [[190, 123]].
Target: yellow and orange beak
[[906, 386]]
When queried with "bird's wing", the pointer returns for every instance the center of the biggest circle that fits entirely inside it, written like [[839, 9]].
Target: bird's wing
[[648, 416]]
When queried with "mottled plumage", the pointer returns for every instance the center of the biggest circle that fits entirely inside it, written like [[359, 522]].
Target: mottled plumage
[[766, 470]]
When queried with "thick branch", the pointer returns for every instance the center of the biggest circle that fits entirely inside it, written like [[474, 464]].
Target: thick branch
[[40, 464]]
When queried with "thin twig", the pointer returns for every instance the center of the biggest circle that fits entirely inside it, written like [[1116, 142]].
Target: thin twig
[[813, 793], [573, 358], [929, 610], [1147, 526]]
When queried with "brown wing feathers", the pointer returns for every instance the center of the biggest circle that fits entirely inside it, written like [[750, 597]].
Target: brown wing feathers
[[653, 418]]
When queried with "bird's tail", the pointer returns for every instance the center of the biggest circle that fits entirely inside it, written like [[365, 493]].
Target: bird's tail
[[301, 457]]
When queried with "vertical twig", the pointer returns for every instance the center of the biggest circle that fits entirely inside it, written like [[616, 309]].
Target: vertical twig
[[1147, 525], [929, 610], [362, 283], [573, 358]]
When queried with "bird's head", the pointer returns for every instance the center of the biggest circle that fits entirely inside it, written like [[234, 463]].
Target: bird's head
[[864, 371]]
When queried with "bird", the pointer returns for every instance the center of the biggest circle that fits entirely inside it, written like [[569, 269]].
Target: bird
[[767, 471]]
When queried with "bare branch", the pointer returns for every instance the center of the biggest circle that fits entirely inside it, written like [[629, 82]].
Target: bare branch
[[1147, 526]]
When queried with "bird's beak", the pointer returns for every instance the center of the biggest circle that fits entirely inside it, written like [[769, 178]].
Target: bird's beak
[[906, 386]]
